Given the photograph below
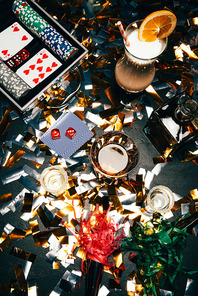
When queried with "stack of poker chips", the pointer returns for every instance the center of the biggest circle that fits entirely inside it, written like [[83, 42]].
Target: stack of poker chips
[[42, 29], [29, 17], [12, 82]]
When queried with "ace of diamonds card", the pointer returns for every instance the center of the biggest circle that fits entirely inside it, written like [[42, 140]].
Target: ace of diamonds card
[[39, 67], [12, 40]]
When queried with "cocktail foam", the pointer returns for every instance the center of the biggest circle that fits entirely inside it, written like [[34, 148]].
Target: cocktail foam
[[143, 49]]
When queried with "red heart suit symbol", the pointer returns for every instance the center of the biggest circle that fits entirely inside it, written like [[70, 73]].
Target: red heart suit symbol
[[24, 38], [41, 75], [39, 68], [48, 69], [26, 72], [54, 64], [32, 67], [39, 61], [45, 56], [35, 80], [4, 52], [16, 29]]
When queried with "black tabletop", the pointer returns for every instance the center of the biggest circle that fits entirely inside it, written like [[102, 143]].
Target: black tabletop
[[23, 157]]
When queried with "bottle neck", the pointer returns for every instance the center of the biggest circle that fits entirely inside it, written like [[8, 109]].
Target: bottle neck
[[186, 112]]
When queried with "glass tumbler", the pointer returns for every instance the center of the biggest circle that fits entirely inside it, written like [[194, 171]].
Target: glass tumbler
[[135, 71], [160, 199], [54, 180], [114, 154]]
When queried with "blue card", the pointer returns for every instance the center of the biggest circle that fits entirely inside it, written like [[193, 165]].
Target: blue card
[[67, 135]]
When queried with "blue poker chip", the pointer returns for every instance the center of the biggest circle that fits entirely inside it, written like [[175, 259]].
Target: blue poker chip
[[57, 42]]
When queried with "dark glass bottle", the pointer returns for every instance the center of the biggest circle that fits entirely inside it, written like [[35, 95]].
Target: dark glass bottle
[[93, 277], [172, 125]]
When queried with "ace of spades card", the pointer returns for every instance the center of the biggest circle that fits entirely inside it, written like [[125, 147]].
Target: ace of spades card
[[12, 40], [39, 67]]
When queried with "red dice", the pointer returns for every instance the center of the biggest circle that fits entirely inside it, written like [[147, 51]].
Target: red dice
[[55, 133], [70, 133]]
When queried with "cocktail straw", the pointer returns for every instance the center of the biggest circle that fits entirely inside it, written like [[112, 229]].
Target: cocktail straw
[[122, 31]]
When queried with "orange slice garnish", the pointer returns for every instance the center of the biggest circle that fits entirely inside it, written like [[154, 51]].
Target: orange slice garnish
[[157, 25]]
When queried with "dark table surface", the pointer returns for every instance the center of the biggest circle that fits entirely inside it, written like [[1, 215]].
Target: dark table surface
[[180, 177]]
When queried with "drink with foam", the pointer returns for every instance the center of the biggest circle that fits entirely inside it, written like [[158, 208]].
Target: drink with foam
[[135, 70], [113, 158]]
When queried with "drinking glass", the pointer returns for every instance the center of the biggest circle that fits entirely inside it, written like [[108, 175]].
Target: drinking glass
[[186, 110], [160, 199], [135, 71], [54, 179], [114, 154]]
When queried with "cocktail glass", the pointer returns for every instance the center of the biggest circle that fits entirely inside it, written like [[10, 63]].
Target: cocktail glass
[[135, 70]]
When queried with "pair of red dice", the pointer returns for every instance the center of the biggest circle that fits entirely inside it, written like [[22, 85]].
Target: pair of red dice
[[70, 133]]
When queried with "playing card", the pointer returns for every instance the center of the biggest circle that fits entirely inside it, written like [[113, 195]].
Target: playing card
[[12, 40], [67, 135], [38, 68]]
